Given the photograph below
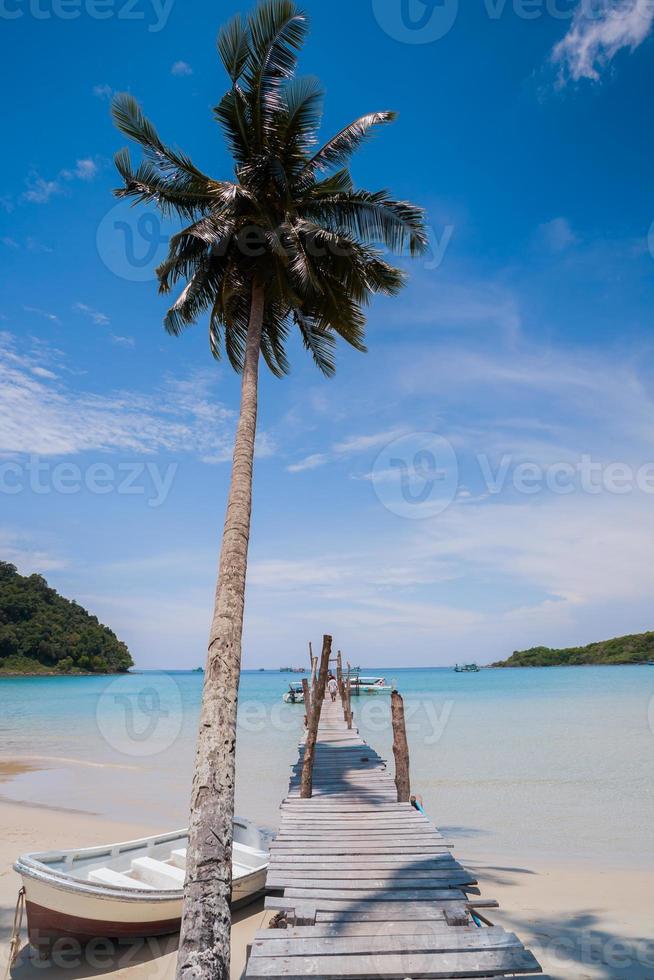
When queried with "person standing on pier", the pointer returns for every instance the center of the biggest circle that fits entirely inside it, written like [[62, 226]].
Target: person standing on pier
[[332, 687]]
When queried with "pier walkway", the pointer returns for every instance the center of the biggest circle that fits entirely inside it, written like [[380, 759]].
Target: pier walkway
[[368, 886]]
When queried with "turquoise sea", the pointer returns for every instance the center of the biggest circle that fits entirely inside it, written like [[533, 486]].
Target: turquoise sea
[[551, 762]]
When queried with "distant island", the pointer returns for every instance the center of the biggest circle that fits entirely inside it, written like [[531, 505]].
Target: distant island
[[43, 633], [635, 649]]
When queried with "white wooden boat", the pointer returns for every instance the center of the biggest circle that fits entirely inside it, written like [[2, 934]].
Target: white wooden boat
[[129, 889]]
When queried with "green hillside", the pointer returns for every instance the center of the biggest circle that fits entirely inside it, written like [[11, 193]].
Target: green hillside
[[43, 633], [635, 649]]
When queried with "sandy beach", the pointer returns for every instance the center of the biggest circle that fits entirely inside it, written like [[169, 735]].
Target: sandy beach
[[581, 922]]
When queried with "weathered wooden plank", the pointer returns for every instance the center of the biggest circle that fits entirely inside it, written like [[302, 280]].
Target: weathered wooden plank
[[371, 909], [381, 942], [370, 860], [342, 928], [382, 894], [338, 873], [461, 963], [343, 885]]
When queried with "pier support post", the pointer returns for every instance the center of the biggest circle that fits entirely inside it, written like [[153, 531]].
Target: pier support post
[[306, 780], [400, 749], [347, 701], [339, 675], [307, 701]]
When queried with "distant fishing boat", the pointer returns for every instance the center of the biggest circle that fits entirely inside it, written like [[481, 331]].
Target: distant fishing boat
[[466, 669], [292, 670], [129, 889]]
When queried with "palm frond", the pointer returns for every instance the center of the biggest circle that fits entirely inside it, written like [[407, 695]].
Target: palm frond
[[340, 148], [320, 342], [277, 31], [233, 43], [374, 217]]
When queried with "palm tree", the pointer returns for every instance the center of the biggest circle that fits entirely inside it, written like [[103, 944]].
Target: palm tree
[[289, 242]]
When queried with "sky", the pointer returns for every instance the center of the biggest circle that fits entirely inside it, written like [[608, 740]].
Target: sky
[[480, 481]]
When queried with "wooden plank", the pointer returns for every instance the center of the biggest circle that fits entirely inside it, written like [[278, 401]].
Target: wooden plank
[[382, 894], [411, 882], [371, 860], [461, 963], [440, 941], [362, 874], [326, 929], [371, 910]]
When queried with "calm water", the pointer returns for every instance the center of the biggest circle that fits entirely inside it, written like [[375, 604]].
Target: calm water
[[555, 762]]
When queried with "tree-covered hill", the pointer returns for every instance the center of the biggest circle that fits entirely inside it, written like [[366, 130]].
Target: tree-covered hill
[[635, 649], [41, 632]]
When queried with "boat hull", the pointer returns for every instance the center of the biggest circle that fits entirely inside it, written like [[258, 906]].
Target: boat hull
[[54, 913]]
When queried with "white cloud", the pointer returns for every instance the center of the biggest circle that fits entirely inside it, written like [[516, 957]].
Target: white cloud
[[9, 242], [599, 30], [309, 463], [103, 91], [100, 318], [85, 169], [556, 235], [181, 68], [40, 415], [123, 341], [43, 313], [40, 191], [350, 446]]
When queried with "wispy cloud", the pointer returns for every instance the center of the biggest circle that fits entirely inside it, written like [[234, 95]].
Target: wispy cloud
[[598, 32], [350, 446], [41, 191], [41, 415], [44, 313], [309, 463], [100, 318], [556, 235], [181, 68], [103, 91]]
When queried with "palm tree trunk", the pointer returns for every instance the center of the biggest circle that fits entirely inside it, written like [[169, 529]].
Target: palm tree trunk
[[204, 949]]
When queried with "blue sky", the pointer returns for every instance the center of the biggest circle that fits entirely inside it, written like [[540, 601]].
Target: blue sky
[[510, 385]]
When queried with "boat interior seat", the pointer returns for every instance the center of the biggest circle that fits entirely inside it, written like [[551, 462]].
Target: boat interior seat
[[107, 876], [178, 857], [157, 873]]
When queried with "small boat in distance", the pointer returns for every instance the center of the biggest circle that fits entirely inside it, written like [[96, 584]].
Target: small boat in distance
[[369, 685], [295, 694], [292, 670], [466, 669], [129, 889]]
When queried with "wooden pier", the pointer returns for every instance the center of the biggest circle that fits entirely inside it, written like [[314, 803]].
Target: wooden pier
[[367, 887]]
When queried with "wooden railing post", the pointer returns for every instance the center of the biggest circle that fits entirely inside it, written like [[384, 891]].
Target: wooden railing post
[[339, 675], [348, 698], [306, 780], [400, 749], [307, 701]]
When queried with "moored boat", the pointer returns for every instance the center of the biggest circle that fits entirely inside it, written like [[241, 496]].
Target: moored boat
[[369, 685], [466, 669], [295, 694], [129, 889]]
